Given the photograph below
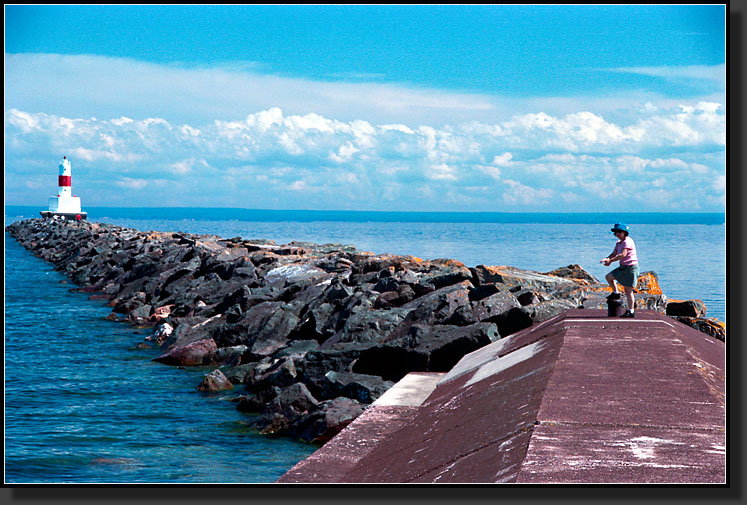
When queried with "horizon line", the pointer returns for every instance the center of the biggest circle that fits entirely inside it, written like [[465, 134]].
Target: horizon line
[[390, 211]]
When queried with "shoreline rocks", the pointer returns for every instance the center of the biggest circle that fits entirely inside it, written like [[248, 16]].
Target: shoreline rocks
[[308, 335]]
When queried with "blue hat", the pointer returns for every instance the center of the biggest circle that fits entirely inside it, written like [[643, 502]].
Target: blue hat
[[620, 227]]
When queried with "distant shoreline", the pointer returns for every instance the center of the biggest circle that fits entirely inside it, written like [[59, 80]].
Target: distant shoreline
[[223, 213]]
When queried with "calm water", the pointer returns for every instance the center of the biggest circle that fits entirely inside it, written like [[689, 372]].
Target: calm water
[[83, 405]]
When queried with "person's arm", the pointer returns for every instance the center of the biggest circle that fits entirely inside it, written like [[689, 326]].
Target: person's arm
[[613, 257]]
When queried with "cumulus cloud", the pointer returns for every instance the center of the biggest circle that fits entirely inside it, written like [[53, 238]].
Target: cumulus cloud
[[502, 160], [526, 195], [270, 158]]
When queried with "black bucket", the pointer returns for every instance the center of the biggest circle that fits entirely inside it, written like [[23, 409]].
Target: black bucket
[[615, 307]]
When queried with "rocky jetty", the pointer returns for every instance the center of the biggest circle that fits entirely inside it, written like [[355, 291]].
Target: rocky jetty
[[308, 335]]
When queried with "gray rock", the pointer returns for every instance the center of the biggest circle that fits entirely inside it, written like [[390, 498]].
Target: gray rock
[[425, 349], [287, 407], [437, 307], [360, 387], [688, 308], [493, 305], [574, 272], [215, 381], [269, 325], [281, 374], [230, 356], [326, 420]]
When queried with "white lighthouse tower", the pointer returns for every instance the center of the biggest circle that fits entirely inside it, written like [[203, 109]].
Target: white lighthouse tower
[[65, 204]]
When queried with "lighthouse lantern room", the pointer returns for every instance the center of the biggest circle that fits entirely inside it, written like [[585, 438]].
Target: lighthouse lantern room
[[65, 205]]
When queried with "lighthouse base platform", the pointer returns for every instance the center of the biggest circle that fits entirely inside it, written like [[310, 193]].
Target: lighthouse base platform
[[69, 216]]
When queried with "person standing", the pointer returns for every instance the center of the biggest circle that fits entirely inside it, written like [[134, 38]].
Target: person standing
[[628, 271]]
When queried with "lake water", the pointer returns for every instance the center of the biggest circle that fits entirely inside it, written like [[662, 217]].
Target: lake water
[[83, 405]]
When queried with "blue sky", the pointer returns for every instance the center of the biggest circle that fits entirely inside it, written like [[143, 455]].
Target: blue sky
[[441, 108]]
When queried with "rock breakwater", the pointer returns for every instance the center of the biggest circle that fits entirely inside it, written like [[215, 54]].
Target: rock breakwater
[[309, 334]]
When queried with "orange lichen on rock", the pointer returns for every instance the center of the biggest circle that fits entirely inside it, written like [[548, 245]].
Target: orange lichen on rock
[[710, 326], [448, 262], [648, 283]]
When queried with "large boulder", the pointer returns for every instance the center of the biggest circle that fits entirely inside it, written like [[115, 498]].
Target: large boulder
[[294, 273], [516, 277], [436, 307], [687, 308], [445, 272], [240, 374], [425, 349], [574, 272], [266, 327], [494, 305], [228, 356], [316, 323], [281, 374], [371, 325], [709, 326], [194, 354], [327, 419], [395, 298], [360, 387], [519, 318], [288, 406]]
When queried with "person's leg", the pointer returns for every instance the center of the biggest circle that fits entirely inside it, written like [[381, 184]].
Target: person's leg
[[611, 281], [630, 297]]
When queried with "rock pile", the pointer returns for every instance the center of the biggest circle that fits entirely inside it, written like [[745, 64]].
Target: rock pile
[[310, 333]]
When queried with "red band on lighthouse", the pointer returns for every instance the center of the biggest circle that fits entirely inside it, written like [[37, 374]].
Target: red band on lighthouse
[[64, 180]]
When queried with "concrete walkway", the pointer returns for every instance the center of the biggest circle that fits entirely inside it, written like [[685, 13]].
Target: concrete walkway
[[578, 398]]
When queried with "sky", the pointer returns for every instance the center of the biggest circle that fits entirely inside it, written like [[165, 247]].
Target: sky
[[480, 108]]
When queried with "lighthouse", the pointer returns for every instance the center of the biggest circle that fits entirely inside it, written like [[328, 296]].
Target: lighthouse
[[65, 205]]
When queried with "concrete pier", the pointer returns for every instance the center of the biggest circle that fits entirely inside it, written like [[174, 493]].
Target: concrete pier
[[579, 398]]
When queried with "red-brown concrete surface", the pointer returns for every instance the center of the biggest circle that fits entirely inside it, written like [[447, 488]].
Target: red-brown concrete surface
[[388, 414], [578, 398], [343, 452]]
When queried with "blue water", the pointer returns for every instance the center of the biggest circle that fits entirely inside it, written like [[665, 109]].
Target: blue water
[[83, 405]]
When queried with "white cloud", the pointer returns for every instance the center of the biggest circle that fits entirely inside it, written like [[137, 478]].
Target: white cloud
[[345, 153], [187, 166], [69, 85], [397, 127], [502, 160], [668, 163], [299, 186], [89, 85], [130, 183], [489, 170], [579, 159], [520, 194], [720, 183], [442, 171], [23, 121], [716, 73]]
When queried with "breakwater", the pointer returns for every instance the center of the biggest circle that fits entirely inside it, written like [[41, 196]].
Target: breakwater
[[310, 334]]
